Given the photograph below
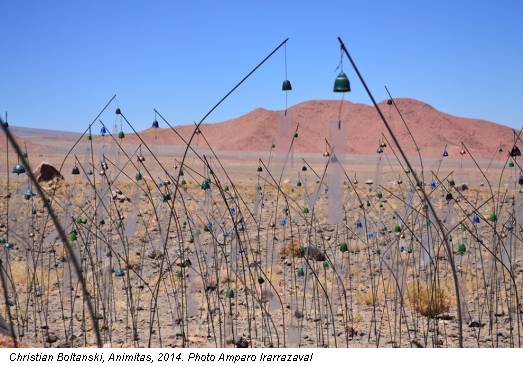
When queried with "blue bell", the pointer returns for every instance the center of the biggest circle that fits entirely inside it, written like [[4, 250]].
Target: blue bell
[[475, 219], [283, 221], [19, 169], [433, 184], [155, 124], [359, 225], [232, 210], [370, 235], [29, 194], [119, 272], [103, 131]]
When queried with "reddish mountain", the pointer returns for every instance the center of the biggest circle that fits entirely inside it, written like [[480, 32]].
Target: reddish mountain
[[361, 128]]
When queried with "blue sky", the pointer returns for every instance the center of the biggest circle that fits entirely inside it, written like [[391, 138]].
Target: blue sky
[[61, 60]]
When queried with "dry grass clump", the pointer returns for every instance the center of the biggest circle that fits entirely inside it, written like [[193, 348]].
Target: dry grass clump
[[293, 248], [428, 299]]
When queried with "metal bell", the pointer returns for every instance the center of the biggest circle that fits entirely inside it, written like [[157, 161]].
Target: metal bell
[[286, 85], [341, 84]]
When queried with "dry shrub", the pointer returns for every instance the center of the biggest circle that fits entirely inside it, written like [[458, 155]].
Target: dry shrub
[[292, 248], [428, 299], [8, 342]]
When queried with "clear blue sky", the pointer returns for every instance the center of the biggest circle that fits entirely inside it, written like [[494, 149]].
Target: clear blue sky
[[61, 60]]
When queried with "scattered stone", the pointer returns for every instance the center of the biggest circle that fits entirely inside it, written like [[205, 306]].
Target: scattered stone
[[241, 342], [46, 173]]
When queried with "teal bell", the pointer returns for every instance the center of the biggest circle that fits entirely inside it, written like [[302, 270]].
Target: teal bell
[[286, 86], [341, 84]]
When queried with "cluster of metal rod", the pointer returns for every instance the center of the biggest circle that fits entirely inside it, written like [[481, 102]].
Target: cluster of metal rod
[[139, 248]]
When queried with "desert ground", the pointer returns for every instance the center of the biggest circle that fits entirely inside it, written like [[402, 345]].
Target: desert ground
[[276, 247]]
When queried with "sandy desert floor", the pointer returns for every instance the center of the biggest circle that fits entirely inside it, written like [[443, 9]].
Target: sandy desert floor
[[272, 249]]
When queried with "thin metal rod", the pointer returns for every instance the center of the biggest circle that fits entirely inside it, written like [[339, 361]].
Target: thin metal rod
[[422, 189], [59, 229]]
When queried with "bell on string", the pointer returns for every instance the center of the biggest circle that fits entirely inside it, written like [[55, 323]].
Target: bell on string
[[286, 86], [19, 169], [515, 151], [28, 194], [119, 272], [445, 154], [75, 170], [155, 124], [103, 131], [389, 102], [341, 84], [121, 135]]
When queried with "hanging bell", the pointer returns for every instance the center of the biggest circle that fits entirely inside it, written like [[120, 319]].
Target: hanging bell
[[206, 184], [515, 151], [445, 154], [341, 84], [119, 272], [75, 170], [121, 135], [286, 85], [28, 194], [389, 102], [138, 176], [155, 124], [103, 131], [19, 169]]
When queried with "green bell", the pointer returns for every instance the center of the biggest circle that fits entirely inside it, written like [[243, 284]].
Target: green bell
[[230, 293], [75, 170], [493, 217], [121, 135], [305, 210], [300, 272], [341, 84], [344, 247], [138, 176], [206, 184], [326, 264], [261, 280], [286, 86], [397, 229], [73, 235], [462, 248]]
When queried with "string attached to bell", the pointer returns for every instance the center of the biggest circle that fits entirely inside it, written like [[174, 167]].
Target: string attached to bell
[[341, 85]]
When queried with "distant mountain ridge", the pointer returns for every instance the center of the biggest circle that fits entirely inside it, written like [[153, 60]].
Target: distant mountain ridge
[[317, 121]]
